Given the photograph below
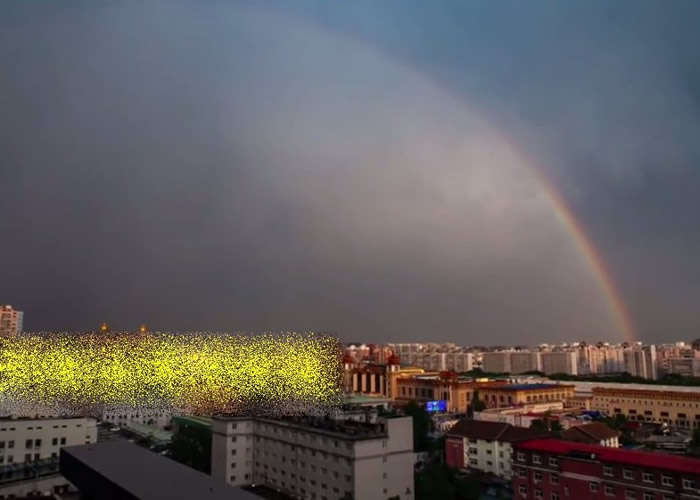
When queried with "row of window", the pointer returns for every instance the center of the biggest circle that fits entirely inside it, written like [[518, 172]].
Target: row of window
[[627, 474], [31, 443], [38, 427], [610, 491]]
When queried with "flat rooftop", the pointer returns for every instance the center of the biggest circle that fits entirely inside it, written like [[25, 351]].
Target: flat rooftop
[[685, 465], [140, 473], [343, 429], [528, 387]]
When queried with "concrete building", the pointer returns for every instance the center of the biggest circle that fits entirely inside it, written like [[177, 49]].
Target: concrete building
[[121, 417], [525, 361], [456, 391], [315, 458], [11, 321], [560, 362], [640, 361], [686, 367], [496, 362], [498, 396], [29, 452], [485, 446], [679, 409], [555, 469]]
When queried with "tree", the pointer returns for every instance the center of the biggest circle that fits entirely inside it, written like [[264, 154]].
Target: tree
[[435, 481], [421, 425], [191, 446], [538, 424], [476, 403]]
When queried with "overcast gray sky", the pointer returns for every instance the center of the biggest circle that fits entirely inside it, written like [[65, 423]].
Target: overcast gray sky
[[361, 167]]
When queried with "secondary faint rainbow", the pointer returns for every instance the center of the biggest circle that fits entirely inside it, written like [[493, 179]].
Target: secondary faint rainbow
[[583, 243]]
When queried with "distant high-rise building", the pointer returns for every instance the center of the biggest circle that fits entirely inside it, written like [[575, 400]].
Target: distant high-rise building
[[525, 361], [640, 361], [687, 367], [496, 362], [560, 362], [11, 321]]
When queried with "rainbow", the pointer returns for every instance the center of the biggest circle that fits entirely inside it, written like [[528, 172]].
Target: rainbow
[[561, 210]]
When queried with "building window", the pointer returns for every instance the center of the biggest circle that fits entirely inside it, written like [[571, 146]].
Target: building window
[[473, 451], [521, 456], [28, 443], [473, 461], [648, 496], [688, 484], [554, 479], [537, 477], [233, 479], [594, 487], [666, 480], [628, 474], [607, 470], [536, 459], [63, 440], [10, 444], [554, 496], [522, 473], [647, 477], [609, 490], [54, 441], [553, 462], [523, 491], [630, 495], [538, 494]]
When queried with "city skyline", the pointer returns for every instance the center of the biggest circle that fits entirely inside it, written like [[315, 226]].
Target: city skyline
[[297, 167]]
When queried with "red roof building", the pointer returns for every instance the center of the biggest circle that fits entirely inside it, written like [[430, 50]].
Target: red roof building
[[553, 469]]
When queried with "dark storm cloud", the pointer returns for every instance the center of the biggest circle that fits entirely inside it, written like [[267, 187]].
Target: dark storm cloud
[[227, 167]]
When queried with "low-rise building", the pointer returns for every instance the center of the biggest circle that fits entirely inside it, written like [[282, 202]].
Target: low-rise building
[[456, 391], [485, 446], [556, 469], [29, 452], [316, 458], [498, 396], [593, 433], [679, 409]]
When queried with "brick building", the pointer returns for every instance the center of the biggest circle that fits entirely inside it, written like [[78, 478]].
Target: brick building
[[551, 469]]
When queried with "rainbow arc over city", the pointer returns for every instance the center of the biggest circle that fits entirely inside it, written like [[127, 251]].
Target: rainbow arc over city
[[559, 207]]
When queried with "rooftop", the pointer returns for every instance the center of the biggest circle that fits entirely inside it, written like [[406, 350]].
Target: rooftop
[[142, 473], [651, 460], [344, 429], [494, 431], [596, 431], [530, 387]]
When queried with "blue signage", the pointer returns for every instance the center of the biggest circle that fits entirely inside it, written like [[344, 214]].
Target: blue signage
[[436, 406]]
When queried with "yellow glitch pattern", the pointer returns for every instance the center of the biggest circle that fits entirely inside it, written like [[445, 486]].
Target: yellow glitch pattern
[[193, 373]]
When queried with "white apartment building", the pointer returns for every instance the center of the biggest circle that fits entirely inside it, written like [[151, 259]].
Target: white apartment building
[[39, 441], [525, 361], [444, 361], [496, 362], [485, 446], [314, 458], [640, 361], [11, 321], [687, 367], [560, 362]]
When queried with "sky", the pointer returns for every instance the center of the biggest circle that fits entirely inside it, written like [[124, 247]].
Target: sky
[[368, 168]]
